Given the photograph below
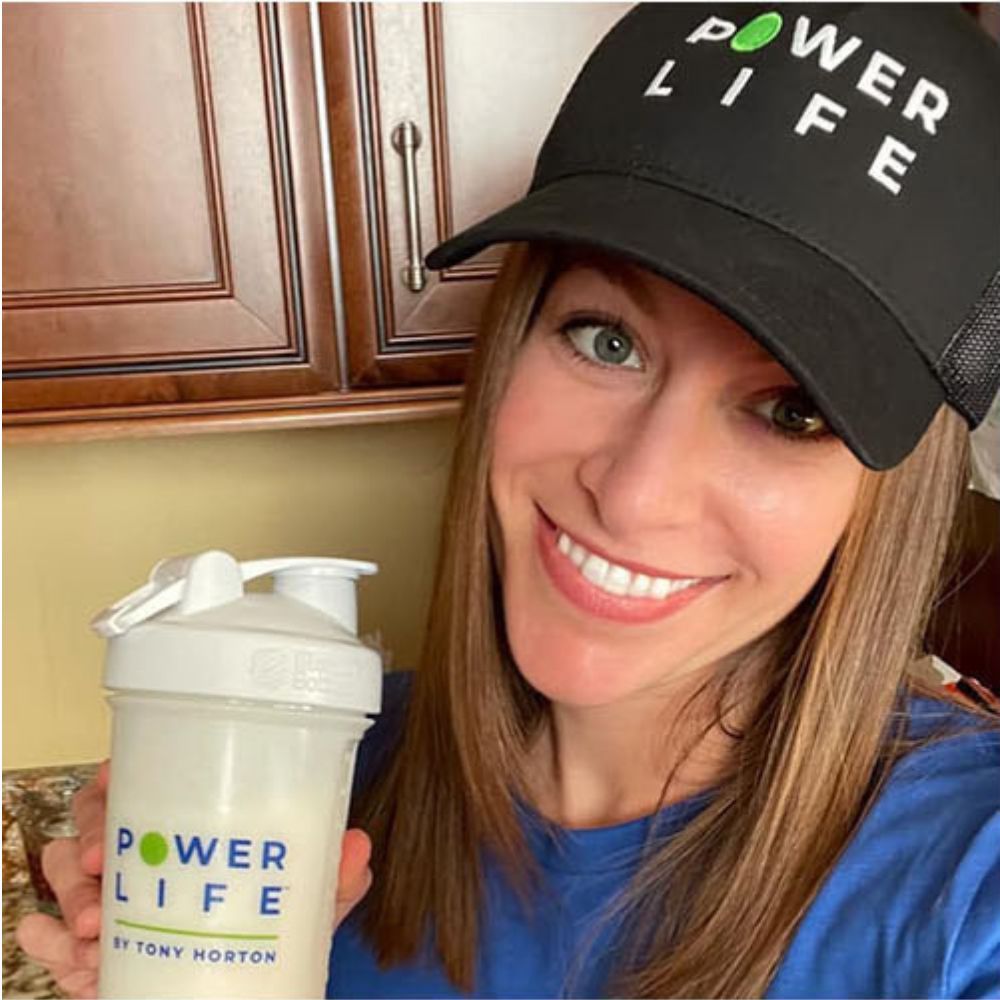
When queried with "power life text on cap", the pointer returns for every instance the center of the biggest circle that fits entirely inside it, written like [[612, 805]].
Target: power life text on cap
[[826, 174]]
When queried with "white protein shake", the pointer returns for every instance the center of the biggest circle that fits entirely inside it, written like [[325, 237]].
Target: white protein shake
[[225, 814]]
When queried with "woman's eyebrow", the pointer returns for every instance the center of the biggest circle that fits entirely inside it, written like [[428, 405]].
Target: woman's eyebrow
[[637, 290], [622, 279]]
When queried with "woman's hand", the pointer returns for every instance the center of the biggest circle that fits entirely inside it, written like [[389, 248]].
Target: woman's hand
[[70, 948], [355, 876]]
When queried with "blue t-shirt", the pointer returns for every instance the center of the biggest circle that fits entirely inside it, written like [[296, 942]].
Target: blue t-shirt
[[912, 908]]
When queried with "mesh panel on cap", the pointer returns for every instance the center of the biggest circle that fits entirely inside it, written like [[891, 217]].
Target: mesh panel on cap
[[969, 367]]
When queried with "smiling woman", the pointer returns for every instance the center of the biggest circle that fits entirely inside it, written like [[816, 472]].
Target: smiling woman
[[663, 740], [663, 737], [672, 463], [720, 753]]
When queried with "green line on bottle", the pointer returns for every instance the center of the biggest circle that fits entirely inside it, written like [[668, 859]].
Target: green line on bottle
[[200, 934]]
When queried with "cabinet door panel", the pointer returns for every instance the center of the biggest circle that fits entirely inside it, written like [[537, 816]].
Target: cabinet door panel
[[515, 71], [163, 213], [74, 223], [481, 83]]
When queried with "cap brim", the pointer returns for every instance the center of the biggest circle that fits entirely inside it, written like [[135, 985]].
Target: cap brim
[[821, 322]]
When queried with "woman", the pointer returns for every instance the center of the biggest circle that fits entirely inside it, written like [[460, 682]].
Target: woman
[[662, 741]]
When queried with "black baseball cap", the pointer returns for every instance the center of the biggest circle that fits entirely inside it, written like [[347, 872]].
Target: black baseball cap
[[826, 174]]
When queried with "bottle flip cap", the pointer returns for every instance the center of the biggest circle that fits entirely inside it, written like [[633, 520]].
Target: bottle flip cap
[[191, 629]]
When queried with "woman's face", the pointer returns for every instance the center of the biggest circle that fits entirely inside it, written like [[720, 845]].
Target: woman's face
[[665, 492]]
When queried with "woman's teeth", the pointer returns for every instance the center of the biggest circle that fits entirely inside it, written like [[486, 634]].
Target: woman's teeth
[[618, 580]]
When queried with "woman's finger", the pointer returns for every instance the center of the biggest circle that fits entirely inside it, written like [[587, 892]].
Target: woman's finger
[[355, 853], [88, 955], [78, 983], [47, 941], [79, 894], [89, 808]]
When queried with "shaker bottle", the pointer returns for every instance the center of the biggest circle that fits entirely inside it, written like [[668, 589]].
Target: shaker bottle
[[236, 718]]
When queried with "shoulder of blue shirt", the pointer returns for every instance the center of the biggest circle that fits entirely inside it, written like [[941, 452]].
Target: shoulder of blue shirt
[[940, 804]]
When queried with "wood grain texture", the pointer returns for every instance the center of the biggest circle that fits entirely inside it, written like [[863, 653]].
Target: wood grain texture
[[169, 420], [183, 254], [89, 173], [424, 63], [374, 300]]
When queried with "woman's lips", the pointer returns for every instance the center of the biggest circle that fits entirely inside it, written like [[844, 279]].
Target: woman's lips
[[580, 592]]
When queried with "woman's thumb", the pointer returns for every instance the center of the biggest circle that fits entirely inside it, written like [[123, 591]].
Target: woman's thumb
[[355, 876]]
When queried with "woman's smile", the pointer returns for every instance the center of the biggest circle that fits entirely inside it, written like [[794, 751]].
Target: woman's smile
[[607, 589]]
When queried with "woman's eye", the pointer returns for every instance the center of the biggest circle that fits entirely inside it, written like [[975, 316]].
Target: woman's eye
[[794, 415], [602, 343]]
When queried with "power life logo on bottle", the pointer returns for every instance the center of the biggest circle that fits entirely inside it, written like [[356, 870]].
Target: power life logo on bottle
[[171, 885]]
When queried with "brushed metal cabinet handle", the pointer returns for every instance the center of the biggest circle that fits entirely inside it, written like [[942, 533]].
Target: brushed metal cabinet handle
[[406, 142]]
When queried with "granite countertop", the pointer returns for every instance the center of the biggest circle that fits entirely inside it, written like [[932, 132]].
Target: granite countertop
[[35, 809]]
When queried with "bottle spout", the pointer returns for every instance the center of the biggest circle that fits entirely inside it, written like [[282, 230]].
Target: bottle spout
[[328, 585], [333, 595]]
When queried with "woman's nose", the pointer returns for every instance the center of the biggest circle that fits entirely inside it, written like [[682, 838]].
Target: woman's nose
[[653, 470]]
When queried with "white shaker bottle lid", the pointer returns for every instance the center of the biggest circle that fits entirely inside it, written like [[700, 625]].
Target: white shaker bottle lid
[[192, 630]]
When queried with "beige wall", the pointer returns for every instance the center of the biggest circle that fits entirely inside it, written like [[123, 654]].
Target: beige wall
[[84, 524]]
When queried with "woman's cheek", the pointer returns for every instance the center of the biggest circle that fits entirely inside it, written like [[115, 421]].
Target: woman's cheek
[[545, 415], [525, 404], [794, 519]]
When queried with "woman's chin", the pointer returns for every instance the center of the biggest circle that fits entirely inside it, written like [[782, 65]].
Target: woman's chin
[[573, 695], [564, 681]]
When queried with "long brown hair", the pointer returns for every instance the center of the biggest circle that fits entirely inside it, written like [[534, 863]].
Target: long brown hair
[[805, 766]]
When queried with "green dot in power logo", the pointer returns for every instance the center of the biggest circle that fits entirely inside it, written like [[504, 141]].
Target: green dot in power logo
[[153, 848], [757, 33]]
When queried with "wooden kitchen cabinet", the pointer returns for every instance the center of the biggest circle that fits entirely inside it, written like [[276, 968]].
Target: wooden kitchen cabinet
[[164, 234], [206, 219], [480, 83], [170, 260]]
